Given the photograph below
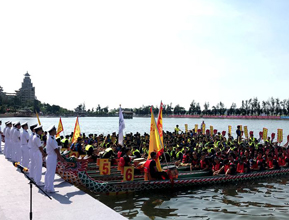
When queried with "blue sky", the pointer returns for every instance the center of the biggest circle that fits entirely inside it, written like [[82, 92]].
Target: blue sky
[[137, 53]]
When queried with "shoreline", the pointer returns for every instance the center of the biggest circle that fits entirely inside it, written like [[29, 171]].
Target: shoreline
[[13, 115]]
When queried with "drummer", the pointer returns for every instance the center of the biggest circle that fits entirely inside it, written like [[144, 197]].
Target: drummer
[[150, 168], [125, 159]]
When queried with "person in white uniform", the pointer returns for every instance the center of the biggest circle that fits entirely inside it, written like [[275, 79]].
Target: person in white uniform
[[52, 150], [38, 155], [3, 138], [7, 134], [17, 142], [24, 145], [13, 154], [30, 145]]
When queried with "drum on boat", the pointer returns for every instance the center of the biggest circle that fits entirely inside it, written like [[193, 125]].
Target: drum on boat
[[137, 161]]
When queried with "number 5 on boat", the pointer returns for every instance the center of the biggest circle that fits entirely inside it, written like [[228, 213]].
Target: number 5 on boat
[[128, 174], [104, 167]]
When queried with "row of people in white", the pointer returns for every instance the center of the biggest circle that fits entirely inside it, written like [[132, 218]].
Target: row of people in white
[[28, 150]]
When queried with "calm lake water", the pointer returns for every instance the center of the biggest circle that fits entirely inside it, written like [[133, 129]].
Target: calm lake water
[[258, 199], [110, 124]]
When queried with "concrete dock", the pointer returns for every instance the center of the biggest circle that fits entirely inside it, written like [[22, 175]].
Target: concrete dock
[[67, 203]]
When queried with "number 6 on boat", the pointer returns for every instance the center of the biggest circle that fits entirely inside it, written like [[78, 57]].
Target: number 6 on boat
[[128, 174]]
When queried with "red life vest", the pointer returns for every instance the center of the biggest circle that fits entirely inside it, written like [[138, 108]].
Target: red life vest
[[259, 160], [195, 162], [216, 167], [270, 164], [281, 161], [186, 159], [226, 167], [147, 166], [240, 168], [121, 162], [203, 164], [255, 166]]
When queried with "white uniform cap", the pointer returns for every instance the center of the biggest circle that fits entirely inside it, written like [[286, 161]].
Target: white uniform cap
[[25, 123], [38, 127], [51, 128]]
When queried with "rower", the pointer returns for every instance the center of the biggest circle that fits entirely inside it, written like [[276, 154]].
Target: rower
[[89, 148], [125, 159], [179, 155], [136, 152], [177, 129], [110, 152], [151, 172], [172, 152]]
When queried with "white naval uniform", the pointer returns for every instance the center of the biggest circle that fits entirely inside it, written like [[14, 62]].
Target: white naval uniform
[[36, 165], [30, 145], [4, 132], [24, 148], [13, 153], [17, 145], [51, 162], [1, 140], [8, 147]]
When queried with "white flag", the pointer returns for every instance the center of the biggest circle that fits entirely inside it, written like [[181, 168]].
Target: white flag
[[121, 127]]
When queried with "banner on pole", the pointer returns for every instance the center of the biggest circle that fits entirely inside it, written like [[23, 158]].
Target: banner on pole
[[211, 130], [265, 134], [280, 135], [246, 132], [230, 129], [196, 128]]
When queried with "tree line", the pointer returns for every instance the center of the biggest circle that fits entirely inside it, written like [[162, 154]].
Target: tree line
[[271, 107]]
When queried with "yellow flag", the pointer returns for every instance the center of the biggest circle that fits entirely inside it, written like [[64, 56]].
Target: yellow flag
[[265, 134], [204, 128], [279, 135], [76, 132], [60, 128], [196, 128], [230, 129], [211, 130], [246, 131], [38, 118], [155, 144]]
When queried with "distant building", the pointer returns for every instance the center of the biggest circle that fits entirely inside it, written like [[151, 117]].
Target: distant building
[[27, 92], [127, 114]]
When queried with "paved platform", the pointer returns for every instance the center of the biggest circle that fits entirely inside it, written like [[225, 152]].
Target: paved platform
[[67, 203]]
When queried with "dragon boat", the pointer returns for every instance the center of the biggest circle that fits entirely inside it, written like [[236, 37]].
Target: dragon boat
[[116, 187], [76, 172]]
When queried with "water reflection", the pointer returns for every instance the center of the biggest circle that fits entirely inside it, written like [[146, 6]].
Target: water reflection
[[152, 209], [251, 200]]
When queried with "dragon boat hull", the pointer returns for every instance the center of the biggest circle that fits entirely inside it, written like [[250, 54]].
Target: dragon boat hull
[[112, 187]]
